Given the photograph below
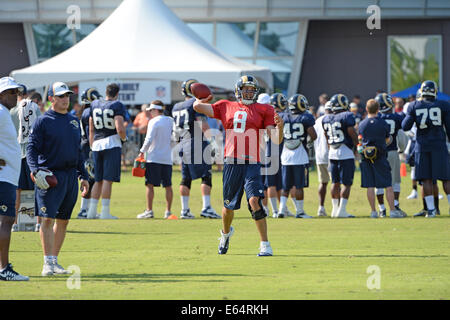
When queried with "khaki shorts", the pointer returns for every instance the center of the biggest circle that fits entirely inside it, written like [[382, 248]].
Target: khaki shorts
[[323, 173], [394, 161]]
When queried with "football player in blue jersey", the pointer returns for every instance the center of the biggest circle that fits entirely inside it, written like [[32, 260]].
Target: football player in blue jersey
[[189, 129], [87, 97], [339, 129], [106, 135], [54, 149], [394, 120], [298, 125], [273, 181], [431, 158], [374, 139]]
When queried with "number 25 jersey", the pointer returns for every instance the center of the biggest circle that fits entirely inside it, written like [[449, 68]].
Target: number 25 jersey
[[243, 125]]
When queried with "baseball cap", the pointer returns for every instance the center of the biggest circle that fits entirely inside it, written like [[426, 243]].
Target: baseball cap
[[263, 98], [58, 89], [154, 106], [7, 83]]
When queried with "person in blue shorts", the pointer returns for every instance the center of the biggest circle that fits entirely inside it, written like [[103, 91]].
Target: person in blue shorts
[[375, 169], [431, 158], [54, 149]]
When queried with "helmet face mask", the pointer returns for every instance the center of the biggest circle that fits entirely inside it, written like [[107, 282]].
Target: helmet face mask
[[385, 101], [428, 89], [186, 87], [339, 102], [298, 103], [247, 89]]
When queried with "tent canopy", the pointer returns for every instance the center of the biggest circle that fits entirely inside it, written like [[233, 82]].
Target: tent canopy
[[413, 90], [141, 40]]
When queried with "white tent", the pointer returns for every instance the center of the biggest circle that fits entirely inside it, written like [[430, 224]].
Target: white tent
[[142, 40]]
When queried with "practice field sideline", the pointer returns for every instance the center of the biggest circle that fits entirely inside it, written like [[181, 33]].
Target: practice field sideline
[[320, 258]]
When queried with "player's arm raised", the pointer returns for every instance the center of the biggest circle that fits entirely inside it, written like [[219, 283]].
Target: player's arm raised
[[202, 106]]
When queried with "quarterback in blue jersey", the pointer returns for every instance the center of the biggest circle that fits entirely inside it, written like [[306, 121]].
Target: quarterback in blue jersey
[[106, 135], [54, 149], [431, 158], [375, 138], [339, 129], [87, 97], [394, 120], [298, 125], [189, 128]]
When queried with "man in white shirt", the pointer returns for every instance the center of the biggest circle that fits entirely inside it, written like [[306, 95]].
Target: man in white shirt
[[321, 152], [158, 167], [9, 175]]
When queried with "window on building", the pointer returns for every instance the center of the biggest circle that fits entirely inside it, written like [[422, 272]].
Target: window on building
[[204, 30], [236, 39], [277, 38], [413, 59]]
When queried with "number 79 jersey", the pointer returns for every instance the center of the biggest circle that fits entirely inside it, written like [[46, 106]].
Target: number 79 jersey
[[103, 113], [430, 118], [244, 126]]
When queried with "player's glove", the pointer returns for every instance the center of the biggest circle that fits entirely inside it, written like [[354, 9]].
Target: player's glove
[[39, 179]]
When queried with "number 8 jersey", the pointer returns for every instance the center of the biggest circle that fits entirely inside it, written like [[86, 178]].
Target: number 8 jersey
[[341, 144], [243, 126], [105, 133]]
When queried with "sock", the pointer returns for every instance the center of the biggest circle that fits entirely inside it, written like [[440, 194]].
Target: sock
[[184, 203], [342, 206], [93, 203], [273, 204], [105, 206], [84, 204], [298, 205], [396, 203], [48, 259], [206, 201], [335, 203], [430, 202], [54, 259], [267, 243], [283, 206], [381, 207]]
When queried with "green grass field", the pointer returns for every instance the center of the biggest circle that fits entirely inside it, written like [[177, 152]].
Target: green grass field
[[320, 258]]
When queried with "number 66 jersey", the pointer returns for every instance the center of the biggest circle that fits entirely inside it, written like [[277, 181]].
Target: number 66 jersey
[[244, 126], [105, 133]]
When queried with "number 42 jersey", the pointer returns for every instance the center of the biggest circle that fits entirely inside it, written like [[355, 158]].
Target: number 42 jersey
[[105, 133]]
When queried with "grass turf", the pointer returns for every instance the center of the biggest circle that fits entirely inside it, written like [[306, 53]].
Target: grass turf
[[320, 258]]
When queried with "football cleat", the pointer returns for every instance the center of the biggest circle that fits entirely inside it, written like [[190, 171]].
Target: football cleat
[[167, 214], [209, 212], [58, 269], [395, 214], [265, 250], [321, 212], [374, 214], [401, 211], [339, 102], [278, 100], [147, 214], [246, 81], [47, 270], [421, 213], [275, 214], [8, 274], [186, 87], [225, 241], [303, 215], [385, 101], [298, 103], [382, 213], [187, 214], [82, 214], [431, 214]]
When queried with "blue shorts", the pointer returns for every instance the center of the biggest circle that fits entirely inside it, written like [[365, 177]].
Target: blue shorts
[[58, 202], [195, 171], [25, 182], [294, 176], [7, 199], [107, 164], [240, 177], [376, 175], [342, 171], [432, 165], [158, 174], [273, 180]]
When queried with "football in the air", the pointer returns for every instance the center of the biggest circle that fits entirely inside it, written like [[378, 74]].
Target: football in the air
[[51, 179], [200, 90]]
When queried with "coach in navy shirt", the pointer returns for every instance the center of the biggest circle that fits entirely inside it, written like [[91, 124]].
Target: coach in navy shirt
[[54, 146], [375, 169]]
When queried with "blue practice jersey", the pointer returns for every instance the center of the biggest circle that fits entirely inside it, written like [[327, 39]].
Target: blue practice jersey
[[296, 126], [335, 125], [103, 113], [184, 117], [374, 132], [54, 143], [394, 120], [430, 117]]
